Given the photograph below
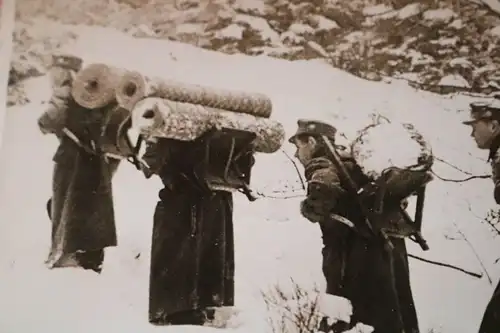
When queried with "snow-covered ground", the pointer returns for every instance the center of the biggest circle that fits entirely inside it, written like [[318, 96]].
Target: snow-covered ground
[[273, 243]]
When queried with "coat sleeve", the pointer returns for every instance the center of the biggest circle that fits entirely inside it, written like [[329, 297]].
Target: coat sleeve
[[155, 157], [53, 120], [495, 171], [323, 191]]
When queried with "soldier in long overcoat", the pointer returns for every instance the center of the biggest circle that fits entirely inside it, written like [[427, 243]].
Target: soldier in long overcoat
[[355, 266], [192, 254], [485, 123], [81, 206]]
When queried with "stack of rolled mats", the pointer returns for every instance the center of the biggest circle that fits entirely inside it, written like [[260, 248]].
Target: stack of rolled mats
[[162, 108]]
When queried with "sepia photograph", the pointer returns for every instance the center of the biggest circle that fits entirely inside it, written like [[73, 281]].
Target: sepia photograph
[[272, 166]]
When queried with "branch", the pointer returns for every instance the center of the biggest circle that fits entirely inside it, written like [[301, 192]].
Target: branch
[[473, 251], [296, 168], [461, 180], [453, 166], [471, 176], [476, 275]]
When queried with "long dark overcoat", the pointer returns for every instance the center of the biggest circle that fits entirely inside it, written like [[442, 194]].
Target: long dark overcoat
[[491, 318], [358, 268], [192, 254], [81, 206]]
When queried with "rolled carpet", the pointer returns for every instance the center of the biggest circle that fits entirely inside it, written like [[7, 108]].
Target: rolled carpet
[[162, 118], [134, 86], [94, 86]]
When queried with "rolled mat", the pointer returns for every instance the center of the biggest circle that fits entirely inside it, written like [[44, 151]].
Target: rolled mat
[[94, 86], [134, 86], [162, 118]]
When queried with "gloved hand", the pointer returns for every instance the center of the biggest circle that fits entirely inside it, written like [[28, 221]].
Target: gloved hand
[[311, 212], [146, 170], [404, 203], [369, 190], [52, 121]]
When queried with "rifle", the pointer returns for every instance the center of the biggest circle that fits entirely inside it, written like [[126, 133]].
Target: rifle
[[355, 191]]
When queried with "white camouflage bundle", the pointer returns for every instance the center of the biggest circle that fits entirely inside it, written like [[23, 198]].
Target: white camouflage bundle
[[384, 146], [162, 118], [94, 86], [134, 86]]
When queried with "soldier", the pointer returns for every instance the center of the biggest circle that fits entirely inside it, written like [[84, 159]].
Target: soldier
[[485, 123], [192, 251], [355, 266], [81, 206]]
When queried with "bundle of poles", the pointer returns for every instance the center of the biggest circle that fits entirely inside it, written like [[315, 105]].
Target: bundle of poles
[[163, 108]]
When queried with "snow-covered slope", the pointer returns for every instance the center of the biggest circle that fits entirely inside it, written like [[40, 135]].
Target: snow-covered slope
[[441, 46], [273, 243]]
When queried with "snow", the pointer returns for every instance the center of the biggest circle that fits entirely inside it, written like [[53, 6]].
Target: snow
[[446, 41], [457, 24], [409, 10], [418, 58], [324, 24], [260, 25], [289, 36], [273, 243], [454, 80], [495, 31], [494, 5], [314, 306], [232, 31], [255, 7], [187, 28], [443, 14], [301, 29], [460, 62], [374, 153], [376, 10]]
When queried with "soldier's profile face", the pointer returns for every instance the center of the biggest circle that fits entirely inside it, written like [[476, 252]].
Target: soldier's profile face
[[483, 132], [59, 77], [305, 149]]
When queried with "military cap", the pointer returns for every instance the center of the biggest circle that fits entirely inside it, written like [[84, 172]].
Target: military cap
[[313, 127], [483, 110], [67, 62]]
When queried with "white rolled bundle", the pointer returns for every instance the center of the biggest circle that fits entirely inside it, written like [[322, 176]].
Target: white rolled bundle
[[383, 146], [134, 86], [94, 86], [162, 118]]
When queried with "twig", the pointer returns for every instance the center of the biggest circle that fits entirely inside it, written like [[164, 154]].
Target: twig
[[461, 180], [446, 265], [453, 166], [473, 251], [278, 197], [493, 227], [296, 168]]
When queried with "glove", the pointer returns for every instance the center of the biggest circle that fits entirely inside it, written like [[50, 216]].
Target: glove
[[52, 120], [310, 213]]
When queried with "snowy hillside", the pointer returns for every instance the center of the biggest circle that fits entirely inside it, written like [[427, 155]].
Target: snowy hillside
[[273, 243], [441, 46]]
